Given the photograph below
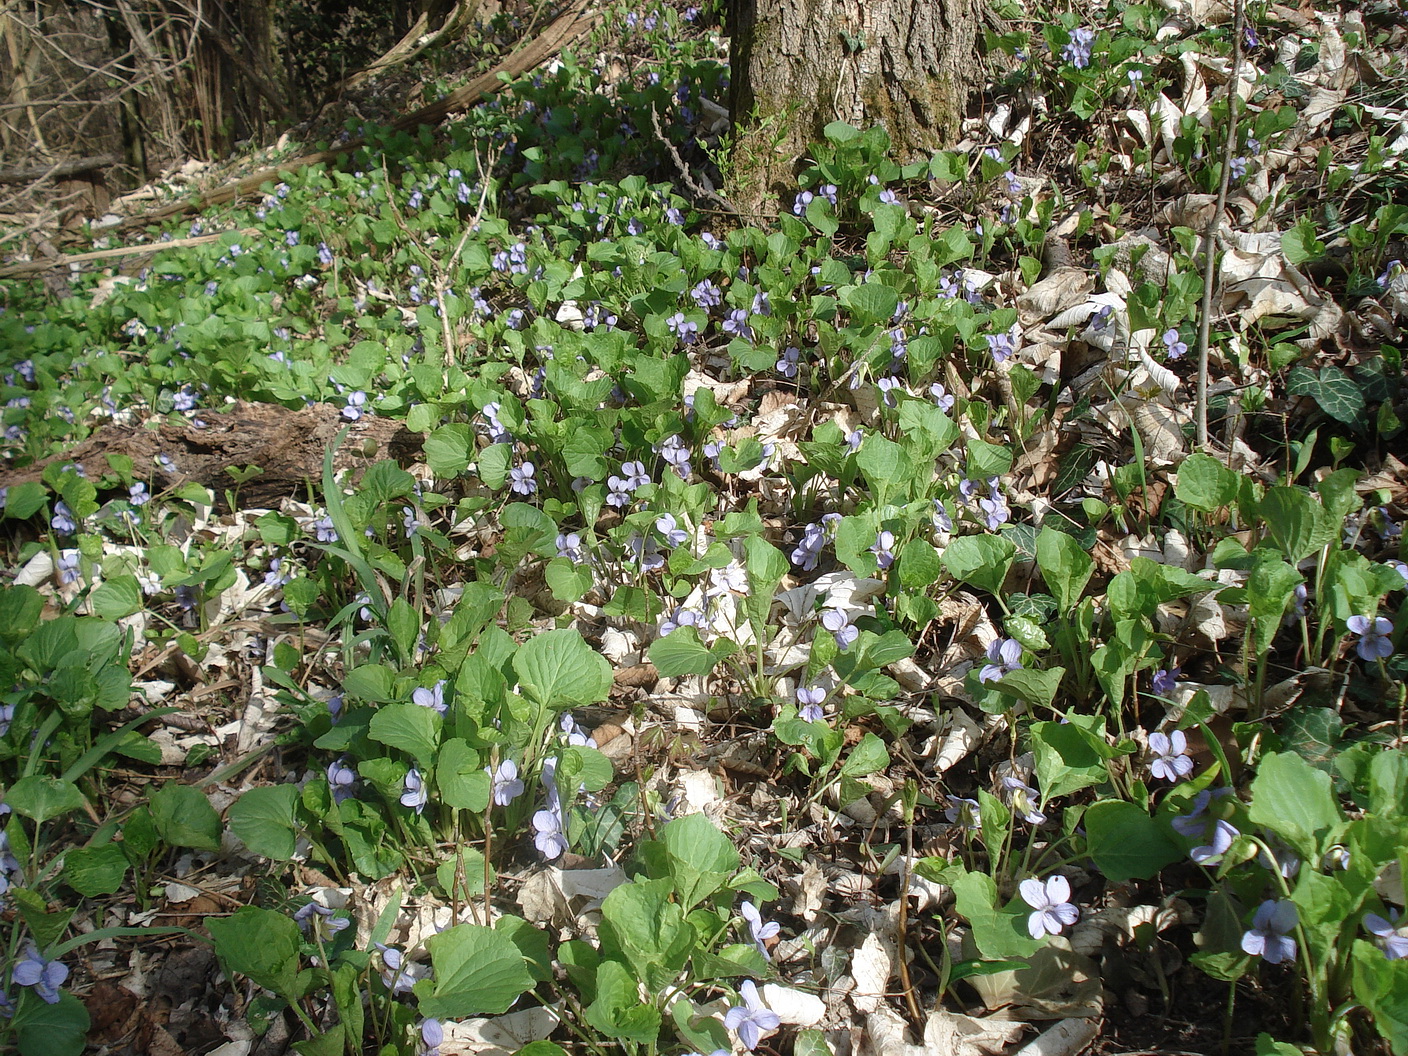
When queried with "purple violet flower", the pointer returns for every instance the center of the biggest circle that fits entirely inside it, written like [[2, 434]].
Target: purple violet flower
[[1004, 655], [415, 795], [1269, 937], [751, 1020], [1392, 936], [1373, 641], [759, 929], [1200, 825]]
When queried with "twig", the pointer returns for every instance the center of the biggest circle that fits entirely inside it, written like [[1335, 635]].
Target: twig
[[1214, 224], [685, 174], [34, 267]]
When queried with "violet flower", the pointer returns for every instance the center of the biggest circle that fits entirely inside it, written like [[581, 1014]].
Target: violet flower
[[760, 929], [809, 701], [1004, 655], [964, 813], [1023, 799], [397, 979], [751, 1020], [1200, 825], [1373, 641], [1269, 937], [1052, 905], [835, 621], [506, 783], [1165, 681], [434, 697], [521, 480], [341, 778], [415, 795], [1171, 761], [36, 970], [1392, 936]]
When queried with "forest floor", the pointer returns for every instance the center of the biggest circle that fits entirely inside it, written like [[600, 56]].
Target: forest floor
[[485, 597]]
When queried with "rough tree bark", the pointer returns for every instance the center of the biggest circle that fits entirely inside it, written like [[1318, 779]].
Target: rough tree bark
[[797, 65]]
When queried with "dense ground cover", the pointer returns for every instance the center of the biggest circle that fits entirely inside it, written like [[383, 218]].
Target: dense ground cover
[[789, 634]]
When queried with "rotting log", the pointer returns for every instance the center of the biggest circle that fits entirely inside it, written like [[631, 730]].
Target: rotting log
[[287, 446]]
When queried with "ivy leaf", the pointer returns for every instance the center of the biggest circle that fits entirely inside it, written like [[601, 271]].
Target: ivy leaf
[[1333, 389]]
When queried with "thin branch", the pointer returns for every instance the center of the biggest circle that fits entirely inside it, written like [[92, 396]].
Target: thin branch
[[1214, 225]]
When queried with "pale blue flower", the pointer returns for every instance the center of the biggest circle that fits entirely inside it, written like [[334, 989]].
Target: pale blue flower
[[415, 795], [1269, 937], [36, 970], [759, 929], [751, 1020]]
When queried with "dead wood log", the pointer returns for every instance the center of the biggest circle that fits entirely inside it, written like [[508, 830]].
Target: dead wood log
[[58, 260], [287, 446], [72, 167], [566, 30]]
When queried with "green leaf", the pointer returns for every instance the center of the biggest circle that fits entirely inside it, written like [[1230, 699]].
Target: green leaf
[[918, 565], [1125, 843], [478, 971], [559, 669], [1299, 243], [641, 924], [618, 1011], [982, 561], [1335, 391], [117, 597], [93, 871], [1295, 522], [998, 933], [873, 302], [40, 797], [887, 467], [1065, 566], [568, 582], [413, 729], [42, 1029], [369, 682], [185, 818], [264, 819], [25, 500], [1206, 484], [329, 1043], [261, 944], [701, 858], [461, 778], [682, 653], [867, 757], [1068, 758], [1296, 801], [987, 460], [1381, 986], [449, 449], [404, 624]]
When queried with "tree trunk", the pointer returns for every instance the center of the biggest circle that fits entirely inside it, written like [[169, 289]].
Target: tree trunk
[[797, 65]]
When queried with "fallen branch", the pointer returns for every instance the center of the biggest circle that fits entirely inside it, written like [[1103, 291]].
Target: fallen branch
[[29, 173], [35, 267], [568, 28]]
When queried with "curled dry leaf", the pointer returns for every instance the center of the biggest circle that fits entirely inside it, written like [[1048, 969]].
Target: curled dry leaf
[[794, 1007], [871, 966], [498, 1035]]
